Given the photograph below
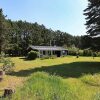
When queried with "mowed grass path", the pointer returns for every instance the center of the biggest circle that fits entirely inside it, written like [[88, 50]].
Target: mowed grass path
[[81, 74]]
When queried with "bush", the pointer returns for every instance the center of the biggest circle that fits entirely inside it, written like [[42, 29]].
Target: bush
[[48, 57], [73, 51], [98, 54], [80, 52], [45, 57], [95, 54], [2, 56], [53, 56], [32, 55], [7, 64], [87, 52]]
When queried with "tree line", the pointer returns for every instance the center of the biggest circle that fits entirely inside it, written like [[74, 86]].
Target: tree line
[[16, 36]]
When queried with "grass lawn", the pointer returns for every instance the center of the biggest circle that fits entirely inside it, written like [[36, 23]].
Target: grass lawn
[[81, 75]]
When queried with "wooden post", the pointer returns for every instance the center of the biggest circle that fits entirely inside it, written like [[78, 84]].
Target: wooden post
[[39, 53], [42, 53], [61, 52]]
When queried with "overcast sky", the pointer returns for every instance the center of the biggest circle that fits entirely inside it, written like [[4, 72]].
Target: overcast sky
[[64, 15]]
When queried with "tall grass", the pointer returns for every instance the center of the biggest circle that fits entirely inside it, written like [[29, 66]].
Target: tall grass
[[93, 80], [97, 96], [41, 86]]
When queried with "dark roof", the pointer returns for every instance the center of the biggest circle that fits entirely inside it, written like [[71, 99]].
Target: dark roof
[[47, 48]]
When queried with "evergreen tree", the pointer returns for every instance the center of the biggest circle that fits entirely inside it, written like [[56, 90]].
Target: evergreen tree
[[3, 35], [93, 17], [16, 36], [93, 22]]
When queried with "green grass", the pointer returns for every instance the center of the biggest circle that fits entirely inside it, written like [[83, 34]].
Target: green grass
[[41, 86], [67, 77]]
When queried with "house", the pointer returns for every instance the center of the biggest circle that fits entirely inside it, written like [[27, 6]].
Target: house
[[49, 50]]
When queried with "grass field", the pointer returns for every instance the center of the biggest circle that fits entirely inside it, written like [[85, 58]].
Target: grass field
[[80, 76]]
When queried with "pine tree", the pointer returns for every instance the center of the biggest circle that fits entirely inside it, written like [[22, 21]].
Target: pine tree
[[93, 17], [92, 13], [2, 30]]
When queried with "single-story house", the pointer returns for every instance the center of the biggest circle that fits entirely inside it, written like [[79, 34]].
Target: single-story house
[[49, 50]]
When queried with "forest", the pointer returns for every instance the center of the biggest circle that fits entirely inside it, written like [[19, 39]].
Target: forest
[[16, 36]]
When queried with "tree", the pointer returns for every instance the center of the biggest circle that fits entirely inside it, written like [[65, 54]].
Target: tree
[[16, 36], [93, 17], [3, 37], [93, 22], [86, 42]]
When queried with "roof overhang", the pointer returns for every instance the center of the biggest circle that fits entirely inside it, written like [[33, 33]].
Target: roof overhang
[[47, 48]]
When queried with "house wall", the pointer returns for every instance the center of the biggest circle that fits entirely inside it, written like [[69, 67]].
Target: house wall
[[58, 53]]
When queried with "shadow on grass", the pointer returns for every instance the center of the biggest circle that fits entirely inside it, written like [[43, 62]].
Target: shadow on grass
[[75, 69], [25, 59]]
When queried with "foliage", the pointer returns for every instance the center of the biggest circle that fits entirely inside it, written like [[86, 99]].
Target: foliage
[[93, 22], [80, 52], [87, 52], [93, 17], [53, 56], [7, 64], [3, 33], [98, 54], [2, 56], [45, 57], [32, 55], [18, 35], [73, 51], [48, 57]]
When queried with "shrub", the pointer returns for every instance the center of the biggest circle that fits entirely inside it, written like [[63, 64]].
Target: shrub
[[45, 57], [80, 52], [53, 56], [7, 64], [87, 52], [72, 52], [2, 56], [48, 57], [98, 54], [32, 55], [95, 54]]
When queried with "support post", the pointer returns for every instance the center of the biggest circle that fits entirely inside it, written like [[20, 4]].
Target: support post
[[39, 53], [61, 52], [46, 53], [51, 52]]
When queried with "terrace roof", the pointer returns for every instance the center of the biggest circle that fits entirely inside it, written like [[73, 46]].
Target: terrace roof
[[47, 48]]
